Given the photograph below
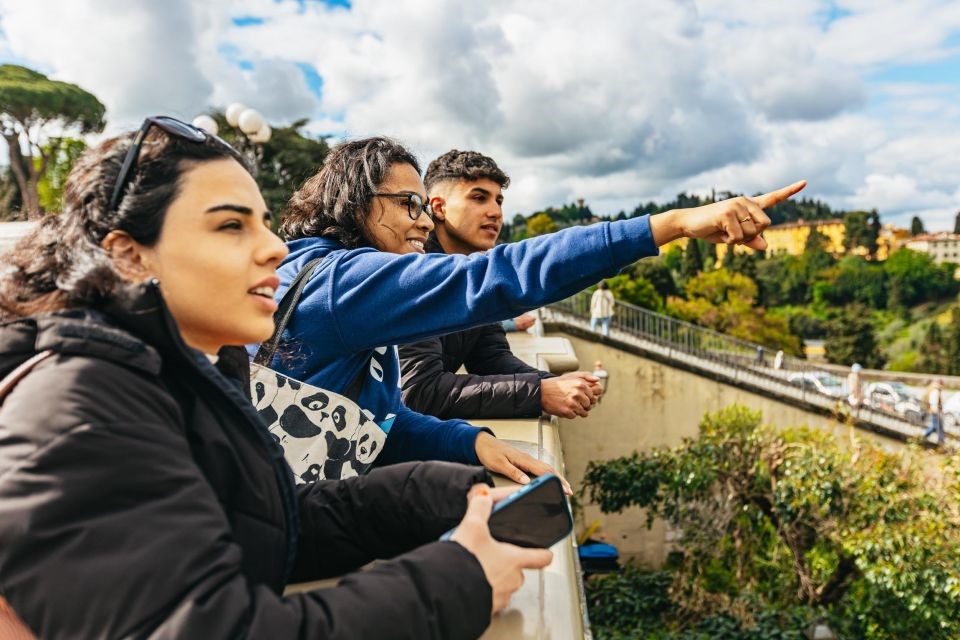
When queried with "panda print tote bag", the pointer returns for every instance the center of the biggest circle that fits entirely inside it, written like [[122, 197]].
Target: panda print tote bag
[[324, 435]]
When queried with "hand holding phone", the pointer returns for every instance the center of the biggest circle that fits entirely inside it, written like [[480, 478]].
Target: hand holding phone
[[502, 563], [535, 516]]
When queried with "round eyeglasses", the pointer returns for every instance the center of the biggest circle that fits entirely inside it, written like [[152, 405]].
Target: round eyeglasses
[[414, 202]]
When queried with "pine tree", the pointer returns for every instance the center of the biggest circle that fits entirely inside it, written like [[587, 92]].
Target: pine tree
[[850, 338], [933, 356], [692, 260], [728, 259], [952, 344], [916, 226], [710, 255]]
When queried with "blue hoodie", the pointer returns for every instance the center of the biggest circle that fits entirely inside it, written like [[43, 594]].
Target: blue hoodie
[[360, 303]]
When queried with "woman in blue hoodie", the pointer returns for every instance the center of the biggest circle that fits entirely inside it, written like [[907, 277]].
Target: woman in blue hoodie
[[365, 212]]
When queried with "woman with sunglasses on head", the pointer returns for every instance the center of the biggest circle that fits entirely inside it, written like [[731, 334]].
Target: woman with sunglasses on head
[[140, 494], [365, 215]]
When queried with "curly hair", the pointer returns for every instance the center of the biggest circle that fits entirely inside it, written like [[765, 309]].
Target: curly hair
[[336, 201], [464, 165], [60, 263]]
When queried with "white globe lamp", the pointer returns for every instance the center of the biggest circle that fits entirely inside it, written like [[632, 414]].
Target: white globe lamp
[[233, 113], [263, 135], [250, 121], [206, 123]]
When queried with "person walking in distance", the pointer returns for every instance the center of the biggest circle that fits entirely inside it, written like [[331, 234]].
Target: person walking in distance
[[854, 386], [935, 407], [601, 308]]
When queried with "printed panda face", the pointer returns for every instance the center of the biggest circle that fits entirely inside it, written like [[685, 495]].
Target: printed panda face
[[370, 439], [315, 402], [339, 416], [263, 394]]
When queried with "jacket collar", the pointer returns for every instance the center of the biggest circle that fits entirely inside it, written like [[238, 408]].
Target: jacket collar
[[136, 331], [95, 334]]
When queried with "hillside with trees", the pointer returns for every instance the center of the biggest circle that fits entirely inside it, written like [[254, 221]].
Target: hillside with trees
[[878, 313]]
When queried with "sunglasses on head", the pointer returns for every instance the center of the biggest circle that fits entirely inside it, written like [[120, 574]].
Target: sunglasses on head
[[172, 127]]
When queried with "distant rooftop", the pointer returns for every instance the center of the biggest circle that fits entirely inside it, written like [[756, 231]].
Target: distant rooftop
[[940, 236]]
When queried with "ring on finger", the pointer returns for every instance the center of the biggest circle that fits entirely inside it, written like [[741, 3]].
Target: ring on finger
[[748, 218]]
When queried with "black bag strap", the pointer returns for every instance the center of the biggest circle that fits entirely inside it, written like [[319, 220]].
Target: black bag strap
[[281, 318], [288, 304], [18, 374]]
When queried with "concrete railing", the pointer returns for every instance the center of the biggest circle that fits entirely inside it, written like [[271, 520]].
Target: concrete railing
[[551, 603]]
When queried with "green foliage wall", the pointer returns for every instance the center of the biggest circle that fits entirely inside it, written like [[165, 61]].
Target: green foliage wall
[[780, 527]]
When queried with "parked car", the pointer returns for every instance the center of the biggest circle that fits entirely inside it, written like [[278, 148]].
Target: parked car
[[818, 381], [895, 397], [951, 412]]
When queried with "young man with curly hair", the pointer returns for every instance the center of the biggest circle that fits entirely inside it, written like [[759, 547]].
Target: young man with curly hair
[[465, 190]]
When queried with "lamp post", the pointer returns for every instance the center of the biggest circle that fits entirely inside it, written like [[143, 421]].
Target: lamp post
[[254, 131]]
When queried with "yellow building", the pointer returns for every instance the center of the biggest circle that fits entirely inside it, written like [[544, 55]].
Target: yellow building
[[791, 239], [890, 239]]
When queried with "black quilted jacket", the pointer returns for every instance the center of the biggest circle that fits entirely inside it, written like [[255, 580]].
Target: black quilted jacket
[[497, 383], [140, 496]]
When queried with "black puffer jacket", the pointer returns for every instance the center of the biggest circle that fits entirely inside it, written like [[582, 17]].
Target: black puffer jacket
[[140, 496], [497, 383]]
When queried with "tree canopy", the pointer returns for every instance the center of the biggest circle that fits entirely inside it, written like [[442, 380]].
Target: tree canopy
[[32, 107], [285, 161], [636, 291], [851, 338], [541, 224], [725, 301], [916, 226]]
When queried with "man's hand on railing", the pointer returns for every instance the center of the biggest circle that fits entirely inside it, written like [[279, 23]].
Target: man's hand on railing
[[570, 395], [738, 220]]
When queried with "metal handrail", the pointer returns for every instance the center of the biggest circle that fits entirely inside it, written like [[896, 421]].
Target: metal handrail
[[734, 358]]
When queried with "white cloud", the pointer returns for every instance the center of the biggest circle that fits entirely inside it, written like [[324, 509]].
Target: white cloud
[[137, 56], [616, 101]]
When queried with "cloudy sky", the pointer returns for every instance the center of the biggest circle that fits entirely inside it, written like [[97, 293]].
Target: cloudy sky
[[613, 101]]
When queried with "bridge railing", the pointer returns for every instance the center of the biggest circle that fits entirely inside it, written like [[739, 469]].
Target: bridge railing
[[738, 359]]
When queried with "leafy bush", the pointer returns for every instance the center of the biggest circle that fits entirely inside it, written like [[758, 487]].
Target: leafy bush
[[780, 527], [725, 302], [636, 291]]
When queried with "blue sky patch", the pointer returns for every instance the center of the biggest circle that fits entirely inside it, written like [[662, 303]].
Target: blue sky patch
[[247, 21], [311, 77], [833, 13], [946, 71], [333, 4], [232, 54]]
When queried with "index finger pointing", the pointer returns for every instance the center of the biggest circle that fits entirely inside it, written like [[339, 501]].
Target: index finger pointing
[[772, 198]]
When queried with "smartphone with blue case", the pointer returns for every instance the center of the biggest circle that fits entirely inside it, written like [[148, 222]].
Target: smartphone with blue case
[[537, 515]]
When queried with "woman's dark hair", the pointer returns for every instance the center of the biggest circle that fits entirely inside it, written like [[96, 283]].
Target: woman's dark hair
[[336, 201], [61, 264], [602, 285]]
